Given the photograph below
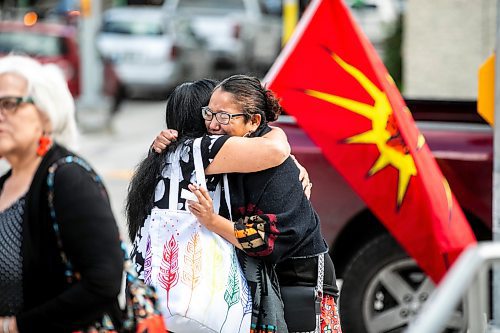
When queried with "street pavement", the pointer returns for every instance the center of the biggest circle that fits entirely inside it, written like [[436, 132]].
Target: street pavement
[[114, 152]]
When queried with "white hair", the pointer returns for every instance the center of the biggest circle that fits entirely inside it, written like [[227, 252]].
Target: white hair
[[49, 90]]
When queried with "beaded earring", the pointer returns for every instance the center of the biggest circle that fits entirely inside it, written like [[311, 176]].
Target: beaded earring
[[44, 144]]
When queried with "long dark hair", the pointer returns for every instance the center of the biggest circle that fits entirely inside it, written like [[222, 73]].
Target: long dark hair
[[182, 113], [252, 97]]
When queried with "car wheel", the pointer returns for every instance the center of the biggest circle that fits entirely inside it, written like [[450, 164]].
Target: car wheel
[[384, 289]]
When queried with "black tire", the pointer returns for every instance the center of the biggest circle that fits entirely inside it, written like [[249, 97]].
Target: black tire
[[384, 289]]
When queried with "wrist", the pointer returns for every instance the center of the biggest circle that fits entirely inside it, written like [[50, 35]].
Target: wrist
[[212, 222]]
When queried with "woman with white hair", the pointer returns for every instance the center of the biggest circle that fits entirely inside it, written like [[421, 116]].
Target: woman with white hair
[[36, 124]]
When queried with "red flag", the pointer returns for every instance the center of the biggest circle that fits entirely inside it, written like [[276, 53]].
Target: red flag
[[331, 79]]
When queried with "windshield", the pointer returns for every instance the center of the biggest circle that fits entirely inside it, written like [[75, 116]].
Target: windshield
[[133, 28], [31, 44], [211, 4]]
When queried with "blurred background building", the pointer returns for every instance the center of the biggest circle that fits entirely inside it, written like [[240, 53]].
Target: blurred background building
[[432, 48], [444, 44]]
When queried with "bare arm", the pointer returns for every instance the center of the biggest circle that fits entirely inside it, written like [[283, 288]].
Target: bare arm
[[167, 136], [240, 154]]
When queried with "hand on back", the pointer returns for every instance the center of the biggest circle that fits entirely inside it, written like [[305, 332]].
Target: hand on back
[[164, 139]]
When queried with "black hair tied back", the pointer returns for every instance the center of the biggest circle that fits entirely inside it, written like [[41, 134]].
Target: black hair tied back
[[273, 109]]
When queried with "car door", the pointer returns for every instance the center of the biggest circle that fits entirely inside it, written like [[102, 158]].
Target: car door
[[266, 34]]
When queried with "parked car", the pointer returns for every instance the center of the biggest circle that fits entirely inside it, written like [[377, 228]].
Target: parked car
[[240, 34], [378, 19], [147, 53], [46, 42], [383, 288]]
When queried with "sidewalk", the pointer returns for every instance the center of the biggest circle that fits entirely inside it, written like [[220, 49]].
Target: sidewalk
[[114, 152]]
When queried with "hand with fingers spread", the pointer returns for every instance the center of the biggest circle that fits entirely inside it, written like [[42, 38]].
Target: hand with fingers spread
[[304, 178], [164, 139]]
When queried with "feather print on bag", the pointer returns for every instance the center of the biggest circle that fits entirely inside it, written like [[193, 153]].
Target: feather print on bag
[[232, 293], [192, 259], [217, 282], [147, 262], [169, 269]]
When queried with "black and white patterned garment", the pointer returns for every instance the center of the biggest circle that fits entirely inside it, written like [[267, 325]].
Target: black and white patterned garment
[[210, 146], [11, 261]]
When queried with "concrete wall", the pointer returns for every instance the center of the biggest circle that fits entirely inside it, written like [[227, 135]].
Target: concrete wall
[[444, 43]]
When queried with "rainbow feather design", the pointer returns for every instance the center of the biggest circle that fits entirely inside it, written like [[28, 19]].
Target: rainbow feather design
[[232, 293], [192, 259], [217, 280], [169, 268]]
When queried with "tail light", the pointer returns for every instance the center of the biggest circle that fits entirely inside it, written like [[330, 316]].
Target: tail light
[[237, 31], [174, 52]]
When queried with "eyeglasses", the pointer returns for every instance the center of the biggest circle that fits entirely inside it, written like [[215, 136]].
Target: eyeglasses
[[9, 104], [222, 117]]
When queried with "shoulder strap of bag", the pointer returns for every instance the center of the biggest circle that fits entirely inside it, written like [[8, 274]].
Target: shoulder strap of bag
[[227, 196], [50, 183], [139, 310], [175, 170], [200, 178], [319, 289], [200, 174], [198, 163], [321, 272]]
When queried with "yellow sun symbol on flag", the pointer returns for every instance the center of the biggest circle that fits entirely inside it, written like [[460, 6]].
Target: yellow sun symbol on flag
[[381, 116]]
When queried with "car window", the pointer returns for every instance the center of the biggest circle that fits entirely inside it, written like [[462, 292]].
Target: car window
[[271, 7], [133, 28], [209, 4], [31, 44]]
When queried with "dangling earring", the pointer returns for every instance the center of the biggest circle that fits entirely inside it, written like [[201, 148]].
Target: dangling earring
[[44, 144]]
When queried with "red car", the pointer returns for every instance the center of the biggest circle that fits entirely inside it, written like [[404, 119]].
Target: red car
[[46, 42], [383, 289]]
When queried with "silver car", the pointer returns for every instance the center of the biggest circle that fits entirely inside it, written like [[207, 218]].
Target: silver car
[[150, 56], [239, 33]]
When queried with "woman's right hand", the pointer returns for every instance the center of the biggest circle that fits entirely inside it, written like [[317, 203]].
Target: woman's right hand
[[164, 139], [203, 209]]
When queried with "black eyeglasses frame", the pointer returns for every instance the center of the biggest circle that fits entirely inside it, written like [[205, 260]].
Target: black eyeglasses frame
[[208, 115]]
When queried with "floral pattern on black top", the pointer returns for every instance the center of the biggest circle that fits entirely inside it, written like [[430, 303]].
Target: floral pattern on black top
[[210, 146]]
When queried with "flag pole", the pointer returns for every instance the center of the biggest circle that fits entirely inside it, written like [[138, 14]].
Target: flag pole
[[496, 174], [290, 19]]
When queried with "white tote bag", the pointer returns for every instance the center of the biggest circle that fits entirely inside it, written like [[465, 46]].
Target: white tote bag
[[199, 282]]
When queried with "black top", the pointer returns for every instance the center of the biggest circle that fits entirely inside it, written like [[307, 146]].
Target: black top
[[210, 146], [91, 241], [11, 261], [277, 223]]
